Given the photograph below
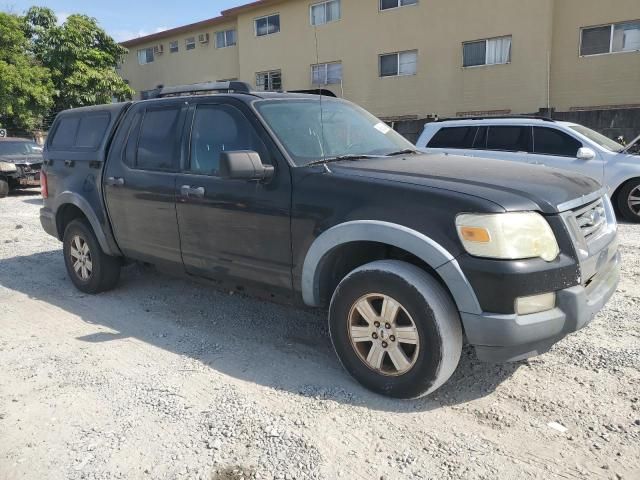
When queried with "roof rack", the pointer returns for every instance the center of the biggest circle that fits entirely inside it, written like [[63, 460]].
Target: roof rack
[[201, 89], [499, 117]]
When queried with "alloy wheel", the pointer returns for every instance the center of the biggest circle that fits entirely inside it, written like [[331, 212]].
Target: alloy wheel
[[81, 257], [633, 200], [383, 334]]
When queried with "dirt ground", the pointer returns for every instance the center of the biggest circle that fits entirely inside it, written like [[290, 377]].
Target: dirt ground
[[167, 378]]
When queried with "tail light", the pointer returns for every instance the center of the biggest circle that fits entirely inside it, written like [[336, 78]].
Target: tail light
[[44, 189]]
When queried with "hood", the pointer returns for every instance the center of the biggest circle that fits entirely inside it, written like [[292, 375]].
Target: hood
[[631, 144], [22, 159], [512, 185]]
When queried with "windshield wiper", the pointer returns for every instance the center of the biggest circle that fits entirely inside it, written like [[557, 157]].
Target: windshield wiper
[[406, 151], [339, 158]]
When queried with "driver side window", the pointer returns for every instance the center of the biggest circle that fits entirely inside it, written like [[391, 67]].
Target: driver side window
[[549, 141], [217, 129]]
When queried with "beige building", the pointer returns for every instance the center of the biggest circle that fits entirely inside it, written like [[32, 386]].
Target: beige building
[[412, 58]]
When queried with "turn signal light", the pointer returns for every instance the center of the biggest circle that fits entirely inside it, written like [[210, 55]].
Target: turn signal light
[[475, 234]]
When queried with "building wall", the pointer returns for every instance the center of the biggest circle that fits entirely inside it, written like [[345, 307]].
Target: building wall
[[545, 69], [601, 80], [204, 63]]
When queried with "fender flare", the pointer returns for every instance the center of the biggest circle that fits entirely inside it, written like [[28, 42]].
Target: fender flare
[[423, 247], [66, 198]]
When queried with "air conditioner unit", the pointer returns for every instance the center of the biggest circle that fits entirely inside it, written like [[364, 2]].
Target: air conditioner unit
[[203, 38], [158, 49]]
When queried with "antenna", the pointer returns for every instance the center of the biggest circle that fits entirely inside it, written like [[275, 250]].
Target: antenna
[[315, 32]]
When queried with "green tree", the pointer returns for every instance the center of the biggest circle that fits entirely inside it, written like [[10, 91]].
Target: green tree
[[26, 89], [81, 57]]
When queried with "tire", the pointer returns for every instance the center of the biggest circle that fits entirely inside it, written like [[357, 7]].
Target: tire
[[97, 272], [4, 187], [426, 314], [629, 191]]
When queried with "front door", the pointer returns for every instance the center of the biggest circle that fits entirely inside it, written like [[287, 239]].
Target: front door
[[233, 229], [140, 183]]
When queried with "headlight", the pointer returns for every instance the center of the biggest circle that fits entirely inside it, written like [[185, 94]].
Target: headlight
[[7, 167], [511, 236]]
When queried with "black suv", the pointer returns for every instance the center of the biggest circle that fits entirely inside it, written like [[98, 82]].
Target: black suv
[[313, 200]]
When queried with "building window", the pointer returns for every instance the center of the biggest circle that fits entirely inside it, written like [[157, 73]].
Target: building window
[[145, 56], [389, 4], [399, 64], [325, 12], [269, 81], [267, 25], [326, 73], [173, 47], [617, 37], [190, 43], [225, 39], [493, 51]]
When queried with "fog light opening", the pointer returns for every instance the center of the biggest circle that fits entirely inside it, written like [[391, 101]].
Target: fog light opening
[[535, 303]]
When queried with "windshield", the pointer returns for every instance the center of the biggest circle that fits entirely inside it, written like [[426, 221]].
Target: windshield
[[342, 129], [604, 142], [19, 148]]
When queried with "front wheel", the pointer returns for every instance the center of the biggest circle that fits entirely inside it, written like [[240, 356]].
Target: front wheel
[[4, 187], [90, 269], [395, 329], [628, 199]]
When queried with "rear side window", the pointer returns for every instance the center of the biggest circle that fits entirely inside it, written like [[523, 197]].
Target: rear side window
[[92, 130], [65, 133], [157, 146], [454, 137], [132, 141], [510, 139], [548, 141]]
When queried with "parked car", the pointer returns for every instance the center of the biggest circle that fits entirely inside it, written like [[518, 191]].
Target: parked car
[[557, 144], [315, 201], [20, 164]]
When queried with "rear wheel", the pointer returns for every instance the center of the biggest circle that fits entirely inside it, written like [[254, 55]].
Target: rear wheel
[[395, 329], [90, 269], [4, 187], [628, 200]]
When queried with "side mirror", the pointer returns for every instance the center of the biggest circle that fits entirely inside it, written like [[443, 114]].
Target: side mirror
[[585, 153], [244, 165]]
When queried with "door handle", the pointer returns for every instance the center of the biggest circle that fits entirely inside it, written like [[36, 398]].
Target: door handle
[[189, 191], [115, 181]]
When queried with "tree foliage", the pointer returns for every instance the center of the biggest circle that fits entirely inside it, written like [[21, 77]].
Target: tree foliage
[[26, 89], [81, 57]]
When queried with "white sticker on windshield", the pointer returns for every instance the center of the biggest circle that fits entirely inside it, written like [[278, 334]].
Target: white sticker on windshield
[[381, 127]]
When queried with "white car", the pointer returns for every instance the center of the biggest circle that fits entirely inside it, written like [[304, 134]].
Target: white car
[[556, 144]]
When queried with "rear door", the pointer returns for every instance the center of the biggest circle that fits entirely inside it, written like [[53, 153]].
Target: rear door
[[233, 230], [140, 182], [507, 142]]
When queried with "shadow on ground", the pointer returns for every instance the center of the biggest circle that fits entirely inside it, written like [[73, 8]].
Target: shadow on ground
[[253, 340]]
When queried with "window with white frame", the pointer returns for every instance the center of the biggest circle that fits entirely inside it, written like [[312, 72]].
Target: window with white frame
[[225, 39], [399, 64], [389, 4], [492, 51], [613, 38], [326, 73], [267, 25], [145, 56], [190, 43], [269, 81], [325, 12], [174, 47]]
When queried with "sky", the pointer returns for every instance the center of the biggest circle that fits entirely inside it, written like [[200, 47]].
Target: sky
[[126, 19]]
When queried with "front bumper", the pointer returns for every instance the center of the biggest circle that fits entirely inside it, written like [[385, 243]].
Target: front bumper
[[512, 337]]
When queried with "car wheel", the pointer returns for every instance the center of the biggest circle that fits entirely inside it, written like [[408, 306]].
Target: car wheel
[[395, 329], [4, 187], [628, 200], [90, 269]]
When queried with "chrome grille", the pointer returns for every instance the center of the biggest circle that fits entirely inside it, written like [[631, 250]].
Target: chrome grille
[[591, 219]]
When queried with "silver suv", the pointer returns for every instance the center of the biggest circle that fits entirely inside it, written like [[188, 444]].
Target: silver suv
[[557, 144]]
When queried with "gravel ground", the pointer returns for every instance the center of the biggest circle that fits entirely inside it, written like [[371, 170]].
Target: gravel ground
[[169, 379]]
